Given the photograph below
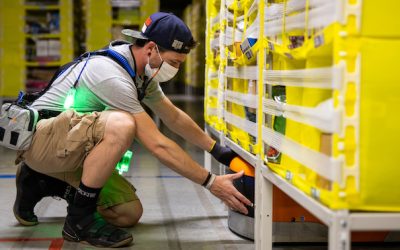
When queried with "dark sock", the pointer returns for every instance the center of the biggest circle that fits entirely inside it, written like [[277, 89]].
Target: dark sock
[[86, 196], [85, 203]]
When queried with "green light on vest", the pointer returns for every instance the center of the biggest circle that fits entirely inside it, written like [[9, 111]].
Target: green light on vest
[[124, 163], [69, 101]]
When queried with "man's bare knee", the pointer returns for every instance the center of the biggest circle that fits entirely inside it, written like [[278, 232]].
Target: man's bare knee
[[123, 215], [120, 128]]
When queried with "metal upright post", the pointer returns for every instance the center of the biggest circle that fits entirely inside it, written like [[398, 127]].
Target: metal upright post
[[339, 231], [263, 215], [207, 156]]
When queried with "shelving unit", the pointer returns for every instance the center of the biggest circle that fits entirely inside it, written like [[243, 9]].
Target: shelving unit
[[194, 18], [48, 40], [104, 20], [340, 222], [36, 38], [130, 14], [12, 52], [322, 53], [96, 31]]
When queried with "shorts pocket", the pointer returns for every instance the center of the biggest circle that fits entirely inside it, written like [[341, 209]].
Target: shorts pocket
[[61, 143], [45, 126], [80, 137]]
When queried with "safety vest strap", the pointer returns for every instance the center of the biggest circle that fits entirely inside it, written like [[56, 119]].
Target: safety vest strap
[[112, 54]]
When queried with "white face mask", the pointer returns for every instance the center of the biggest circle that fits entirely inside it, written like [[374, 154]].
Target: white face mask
[[163, 73]]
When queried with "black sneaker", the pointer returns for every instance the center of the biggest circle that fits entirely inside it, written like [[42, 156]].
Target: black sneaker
[[31, 188], [28, 194], [94, 230]]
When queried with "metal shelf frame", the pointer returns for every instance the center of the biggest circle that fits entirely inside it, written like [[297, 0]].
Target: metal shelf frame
[[339, 222]]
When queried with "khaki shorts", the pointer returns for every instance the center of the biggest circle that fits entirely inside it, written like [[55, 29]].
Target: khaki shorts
[[60, 146]]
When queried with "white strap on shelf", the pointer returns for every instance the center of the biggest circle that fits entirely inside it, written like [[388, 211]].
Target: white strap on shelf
[[212, 75], [240, 18], [229, 16], [323, 116], [229, 35], [221, 81], [215, 43], [226, 15], [252, 30], [324, 165], [253, 7], [246, 125], [229, 2], [215, 20], [212, 111], [248, 72], [320, 14], [322, 78], [276, 10], [248, 100], [213, 92], [250, 11], [240, 24], [318, 17]]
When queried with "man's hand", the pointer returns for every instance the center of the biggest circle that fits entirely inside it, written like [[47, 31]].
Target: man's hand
[[224, 189], [223, 154]]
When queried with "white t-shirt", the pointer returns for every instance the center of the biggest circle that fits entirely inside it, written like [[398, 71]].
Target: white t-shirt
[[103, 85]]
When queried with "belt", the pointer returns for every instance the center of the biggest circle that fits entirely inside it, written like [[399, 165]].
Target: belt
[[46, 114]]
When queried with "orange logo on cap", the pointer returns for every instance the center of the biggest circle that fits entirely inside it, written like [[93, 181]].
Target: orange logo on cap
[[148, 21]]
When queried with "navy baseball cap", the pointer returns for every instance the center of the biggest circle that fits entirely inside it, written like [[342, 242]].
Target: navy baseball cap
[[166, 30]]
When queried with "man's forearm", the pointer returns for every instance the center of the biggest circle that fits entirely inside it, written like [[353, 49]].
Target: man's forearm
[[184, 126], [171, 155], [167, 151]]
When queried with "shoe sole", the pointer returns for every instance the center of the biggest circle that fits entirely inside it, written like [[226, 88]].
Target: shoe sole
[[71, 238], [19, 219]]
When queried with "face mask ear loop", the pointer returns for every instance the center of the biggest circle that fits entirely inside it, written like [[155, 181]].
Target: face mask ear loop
[[162, 61], [155, 73], [159, 55]]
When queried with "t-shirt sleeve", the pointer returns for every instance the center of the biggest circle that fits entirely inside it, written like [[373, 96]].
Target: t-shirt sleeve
[[117, 93], [154, 93]]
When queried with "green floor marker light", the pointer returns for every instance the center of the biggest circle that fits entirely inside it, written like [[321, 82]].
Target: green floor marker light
[[124, 163]]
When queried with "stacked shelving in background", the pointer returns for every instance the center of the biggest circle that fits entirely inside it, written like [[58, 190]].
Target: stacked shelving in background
[[130, 14], [36, 38], [104, 19], [48, 40], [306, 91], [12, 38], [214, 87], [194, 18], [97, 19]]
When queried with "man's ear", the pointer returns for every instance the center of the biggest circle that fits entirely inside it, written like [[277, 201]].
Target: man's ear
[[149, 47]]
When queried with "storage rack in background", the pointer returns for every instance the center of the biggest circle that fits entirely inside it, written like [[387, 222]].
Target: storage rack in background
[[12, 51], [305, 91], [36, 38], [104, 19], [194, 18], [48, 40]]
